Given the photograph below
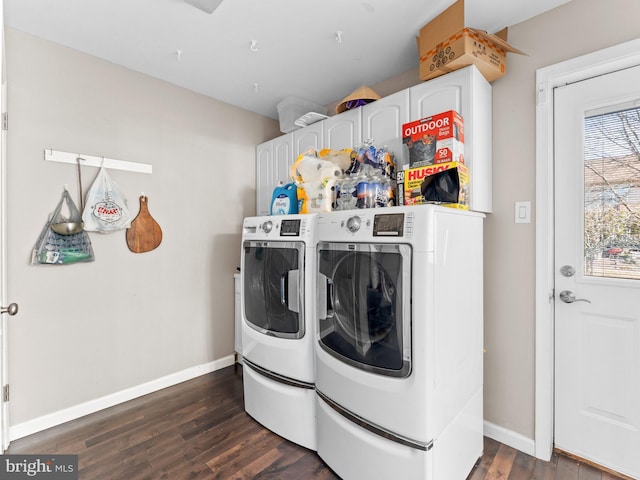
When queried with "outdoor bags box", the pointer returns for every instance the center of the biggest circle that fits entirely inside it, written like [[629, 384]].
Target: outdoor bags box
[[435, 139], [445, 44], [444, 183]]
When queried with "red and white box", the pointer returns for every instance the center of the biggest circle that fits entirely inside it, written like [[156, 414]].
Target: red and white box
[[435, 139]]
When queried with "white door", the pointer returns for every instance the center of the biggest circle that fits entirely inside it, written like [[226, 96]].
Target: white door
[[597, 269]]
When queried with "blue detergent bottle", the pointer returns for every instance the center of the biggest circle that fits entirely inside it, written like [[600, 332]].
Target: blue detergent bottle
[[284, 200]]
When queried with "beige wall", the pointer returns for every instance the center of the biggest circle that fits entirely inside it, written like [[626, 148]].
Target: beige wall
[[85, 331], [574, 29]]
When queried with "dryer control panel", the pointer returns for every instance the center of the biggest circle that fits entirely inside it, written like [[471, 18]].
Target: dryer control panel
[[388, 225], [383, 225]]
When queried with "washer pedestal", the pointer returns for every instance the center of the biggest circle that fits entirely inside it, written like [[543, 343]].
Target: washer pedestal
[[286, 410]]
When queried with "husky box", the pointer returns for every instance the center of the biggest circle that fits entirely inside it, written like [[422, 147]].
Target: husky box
[[444, 183]]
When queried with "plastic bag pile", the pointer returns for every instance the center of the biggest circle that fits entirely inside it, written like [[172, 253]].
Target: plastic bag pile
[[363, 177]]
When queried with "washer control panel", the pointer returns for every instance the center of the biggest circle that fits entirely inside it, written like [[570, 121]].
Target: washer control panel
[[282, 227]]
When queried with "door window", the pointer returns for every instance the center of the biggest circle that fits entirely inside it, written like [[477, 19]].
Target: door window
[[612, 193], [367, 318], [273, 280]]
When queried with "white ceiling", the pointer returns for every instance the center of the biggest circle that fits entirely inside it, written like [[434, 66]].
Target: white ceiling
[[296, 41]]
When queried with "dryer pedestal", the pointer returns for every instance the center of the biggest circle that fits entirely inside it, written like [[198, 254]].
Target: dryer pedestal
[[286, 410], [355, 453]]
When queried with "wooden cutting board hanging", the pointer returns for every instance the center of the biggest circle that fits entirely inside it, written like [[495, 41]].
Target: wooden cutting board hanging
[[144, 234]]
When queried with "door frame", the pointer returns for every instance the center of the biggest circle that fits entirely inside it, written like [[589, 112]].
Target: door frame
[[587, 66], [4, 356]]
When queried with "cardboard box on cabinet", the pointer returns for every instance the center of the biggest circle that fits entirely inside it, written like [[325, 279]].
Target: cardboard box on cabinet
[[445, 44]]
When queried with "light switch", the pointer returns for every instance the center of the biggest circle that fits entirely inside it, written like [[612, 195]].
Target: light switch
[[523, 212]]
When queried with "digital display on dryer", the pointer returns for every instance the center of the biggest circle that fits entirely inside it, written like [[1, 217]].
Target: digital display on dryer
[[388, 225], [290, 228]]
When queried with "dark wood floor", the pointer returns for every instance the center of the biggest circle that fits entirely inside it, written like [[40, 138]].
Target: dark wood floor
[[199, 430]]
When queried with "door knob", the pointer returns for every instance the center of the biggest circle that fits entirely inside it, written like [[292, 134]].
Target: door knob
[[12, 309], [569, 297], [567, 271]]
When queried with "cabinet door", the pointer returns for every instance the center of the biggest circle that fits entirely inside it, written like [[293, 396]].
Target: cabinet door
[[467, 92], [343, 130], [282, 159], [382, 122], [273, 160], [264, 177], [307, 138]]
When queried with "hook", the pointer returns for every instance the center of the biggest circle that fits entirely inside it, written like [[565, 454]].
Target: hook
[[254, 46], [80, 183], [339, 36], [179, 53]]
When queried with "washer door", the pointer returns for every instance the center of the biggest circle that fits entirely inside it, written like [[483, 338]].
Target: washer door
[[364, 317], [273, 286]]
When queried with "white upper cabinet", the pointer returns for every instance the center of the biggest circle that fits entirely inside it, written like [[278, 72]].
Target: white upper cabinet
[[467, 92], [344, 130], [382, 122]]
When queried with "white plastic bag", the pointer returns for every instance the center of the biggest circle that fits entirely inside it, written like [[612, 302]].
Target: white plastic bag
[[106, 207]]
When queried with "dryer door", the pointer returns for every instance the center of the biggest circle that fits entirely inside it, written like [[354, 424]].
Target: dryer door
[[273, 286], [365, 317]]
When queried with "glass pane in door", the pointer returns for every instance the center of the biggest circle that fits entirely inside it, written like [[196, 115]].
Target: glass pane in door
[[612, 193]]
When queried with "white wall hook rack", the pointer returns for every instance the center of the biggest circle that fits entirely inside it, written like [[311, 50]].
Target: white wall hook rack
[[92, 161]]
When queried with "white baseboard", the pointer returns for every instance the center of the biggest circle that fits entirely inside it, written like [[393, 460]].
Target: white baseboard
[[510, 438], [56, 418]]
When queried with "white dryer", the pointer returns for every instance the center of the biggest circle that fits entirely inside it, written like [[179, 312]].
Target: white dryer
[[399, 347], [277, 272]]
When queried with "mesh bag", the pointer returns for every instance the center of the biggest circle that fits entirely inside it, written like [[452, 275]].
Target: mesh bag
[[63, 239]]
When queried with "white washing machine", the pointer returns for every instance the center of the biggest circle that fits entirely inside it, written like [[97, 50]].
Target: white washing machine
[[277, 272], [399, 344]]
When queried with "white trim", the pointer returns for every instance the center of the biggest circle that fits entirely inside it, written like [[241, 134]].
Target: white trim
[[4, 331], [51, 420], [510, 438], [602, 62]]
